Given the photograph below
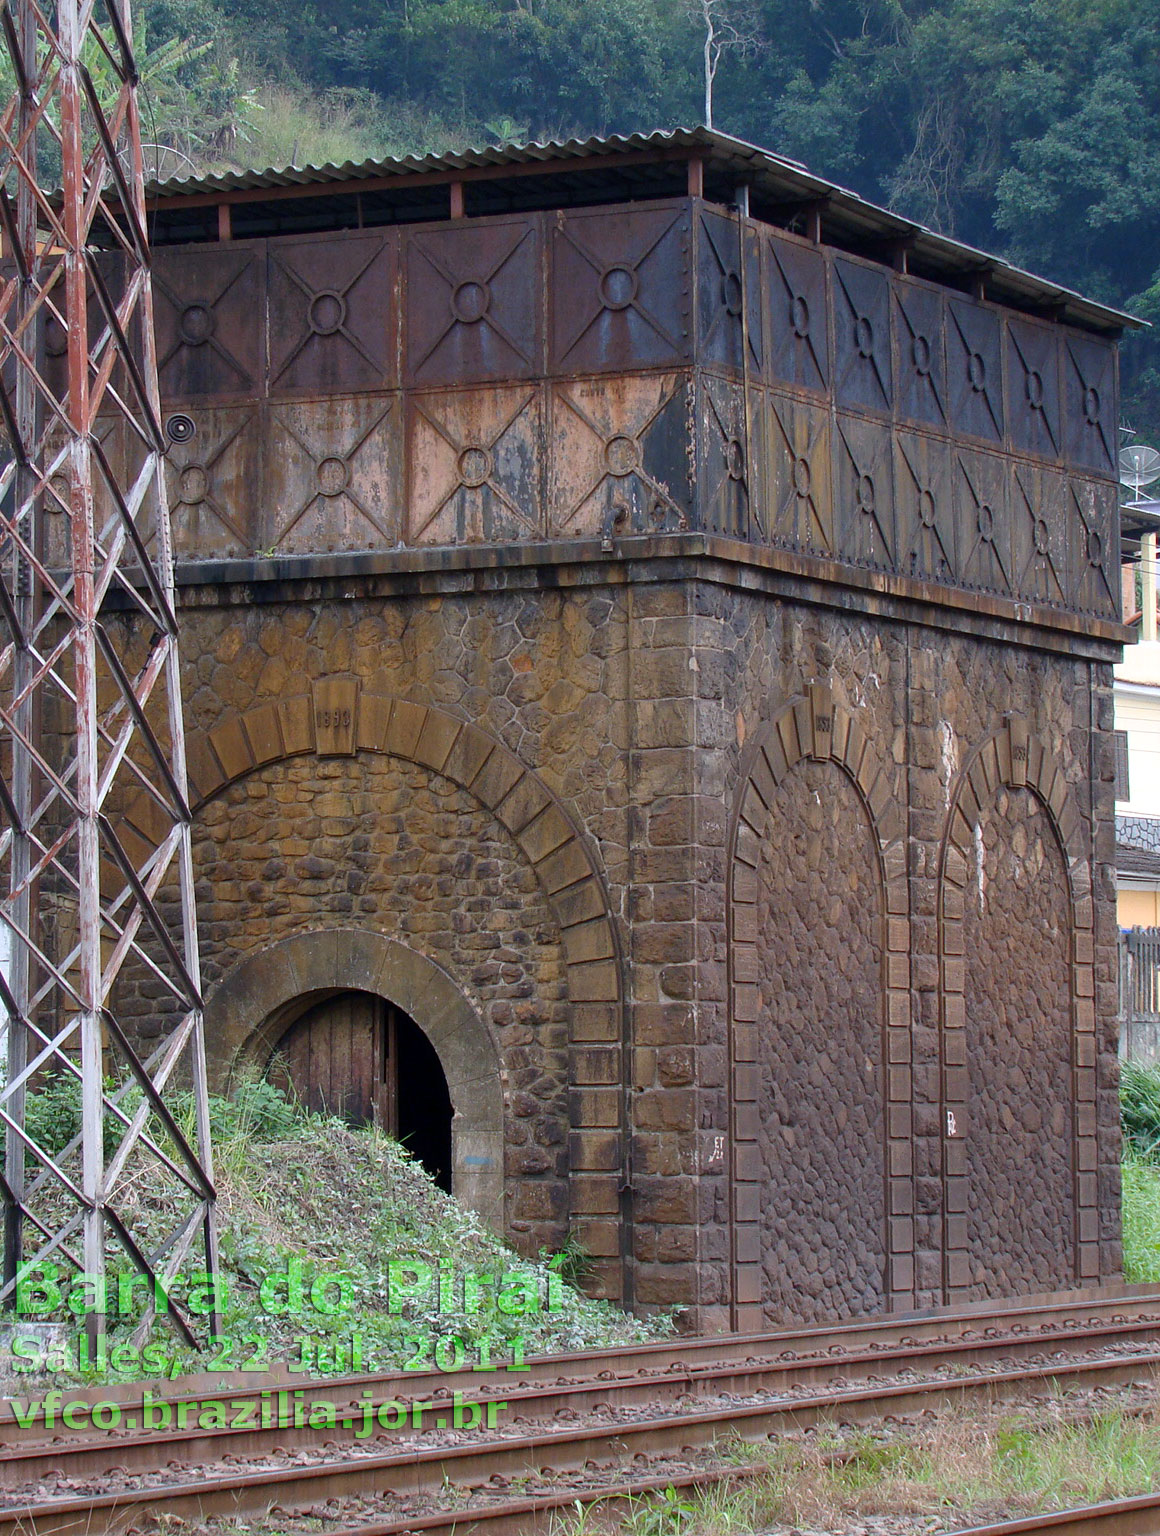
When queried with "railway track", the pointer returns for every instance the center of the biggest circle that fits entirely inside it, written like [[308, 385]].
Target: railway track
[[1118, 1517], [570, 1417]]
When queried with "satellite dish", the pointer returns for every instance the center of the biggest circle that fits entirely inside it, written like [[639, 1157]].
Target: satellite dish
[[1139, 466]]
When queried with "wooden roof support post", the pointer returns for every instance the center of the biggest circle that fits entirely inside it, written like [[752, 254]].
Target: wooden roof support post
[[225, 229]]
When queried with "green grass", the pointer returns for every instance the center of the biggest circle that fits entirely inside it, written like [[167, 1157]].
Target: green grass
[[1140, 1118], [298, 1189], [295, 127], [1140, 1108], [956, 1470], [1141, 1217]]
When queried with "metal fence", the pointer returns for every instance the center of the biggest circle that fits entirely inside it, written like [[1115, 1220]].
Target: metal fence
[[1140, 995]]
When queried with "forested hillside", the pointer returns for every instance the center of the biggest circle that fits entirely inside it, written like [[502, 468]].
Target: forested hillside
[[1028, 127]]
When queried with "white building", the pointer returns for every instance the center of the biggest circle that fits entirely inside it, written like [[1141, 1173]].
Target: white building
[[1137, 700], [1137, 697]]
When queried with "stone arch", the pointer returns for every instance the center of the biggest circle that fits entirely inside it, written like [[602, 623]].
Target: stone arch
[[247, 1012], [338, 718], [1013, 757], [816, 727]]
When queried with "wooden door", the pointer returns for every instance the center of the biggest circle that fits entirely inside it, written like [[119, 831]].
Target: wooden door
[[338, 1059], [364, 1060]]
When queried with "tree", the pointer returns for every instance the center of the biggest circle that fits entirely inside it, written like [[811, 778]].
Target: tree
[[730, 26]]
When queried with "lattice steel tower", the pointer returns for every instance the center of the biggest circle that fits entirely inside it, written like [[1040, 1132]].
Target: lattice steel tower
[[103, 989]]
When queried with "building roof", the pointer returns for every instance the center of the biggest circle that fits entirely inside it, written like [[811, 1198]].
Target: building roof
[[616, 169], [1138, 846]]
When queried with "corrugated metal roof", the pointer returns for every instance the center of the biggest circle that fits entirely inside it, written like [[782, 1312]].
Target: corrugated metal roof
[[458, 160], [772, 178]]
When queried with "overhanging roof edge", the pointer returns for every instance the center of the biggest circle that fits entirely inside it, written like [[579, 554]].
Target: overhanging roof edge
[[774, 176]]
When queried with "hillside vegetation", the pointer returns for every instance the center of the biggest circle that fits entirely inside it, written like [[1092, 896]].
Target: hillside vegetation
[[1028, 127], [338, 1252]]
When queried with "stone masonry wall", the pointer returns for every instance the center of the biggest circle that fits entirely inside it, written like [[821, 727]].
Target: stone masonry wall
[[635, 696], [1019, 1054], [309, 844], [821, 1094], [927, 699]]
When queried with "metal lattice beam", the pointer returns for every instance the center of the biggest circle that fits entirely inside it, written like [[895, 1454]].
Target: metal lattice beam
[[100, 914]]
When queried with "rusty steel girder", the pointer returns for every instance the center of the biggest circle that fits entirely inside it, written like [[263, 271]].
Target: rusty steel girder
[[90, 706]]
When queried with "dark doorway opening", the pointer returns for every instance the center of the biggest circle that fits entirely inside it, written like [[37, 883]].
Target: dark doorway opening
[[359, 1057]]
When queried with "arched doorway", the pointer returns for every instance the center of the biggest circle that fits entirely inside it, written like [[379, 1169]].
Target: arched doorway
[[363, 1059], [250, 1010]]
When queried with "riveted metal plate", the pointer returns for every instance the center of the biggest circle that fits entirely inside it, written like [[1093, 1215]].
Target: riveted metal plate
[[862, 371], [798, 329], [334, 475], [723, 476], [215, 484], [335, 303], [1094, 546], [1039, 534], [619, 294], [112, 268], [619, 456], [981, 516], [1033, 405], [474, 302], [924, 500], [56, 526], [920, 344], [475, 466], [1089, 372], [798, 475], [864, 513], [210, 309], [975, 370], [728, 300]]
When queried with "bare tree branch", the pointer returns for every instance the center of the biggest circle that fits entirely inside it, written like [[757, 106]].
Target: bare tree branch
[[730, 26]]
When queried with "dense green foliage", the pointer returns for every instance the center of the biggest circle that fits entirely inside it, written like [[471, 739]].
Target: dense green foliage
[[1030, 127], [1140, 1109], [257, 1112], [1140, 1120]]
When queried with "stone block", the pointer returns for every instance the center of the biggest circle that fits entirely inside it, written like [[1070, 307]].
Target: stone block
[[595, 1194], [595, 1107], [600, 1238], [231, 748], [263, 732], [597, 1151], [469, 752], [594, 1064], [524, 801], [544, 833], [594, 982], [588, 941], [203, 769], [436, 739], [374, 718], [579, 903], [564, 867], [595, 1022], [406, 725]]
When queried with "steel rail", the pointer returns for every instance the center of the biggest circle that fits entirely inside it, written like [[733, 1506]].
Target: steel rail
[[521, 1517], [414, 1468], [544, 1399], [1129, 1310], [1138, 1516], [527, 1515], [705, 1367]]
